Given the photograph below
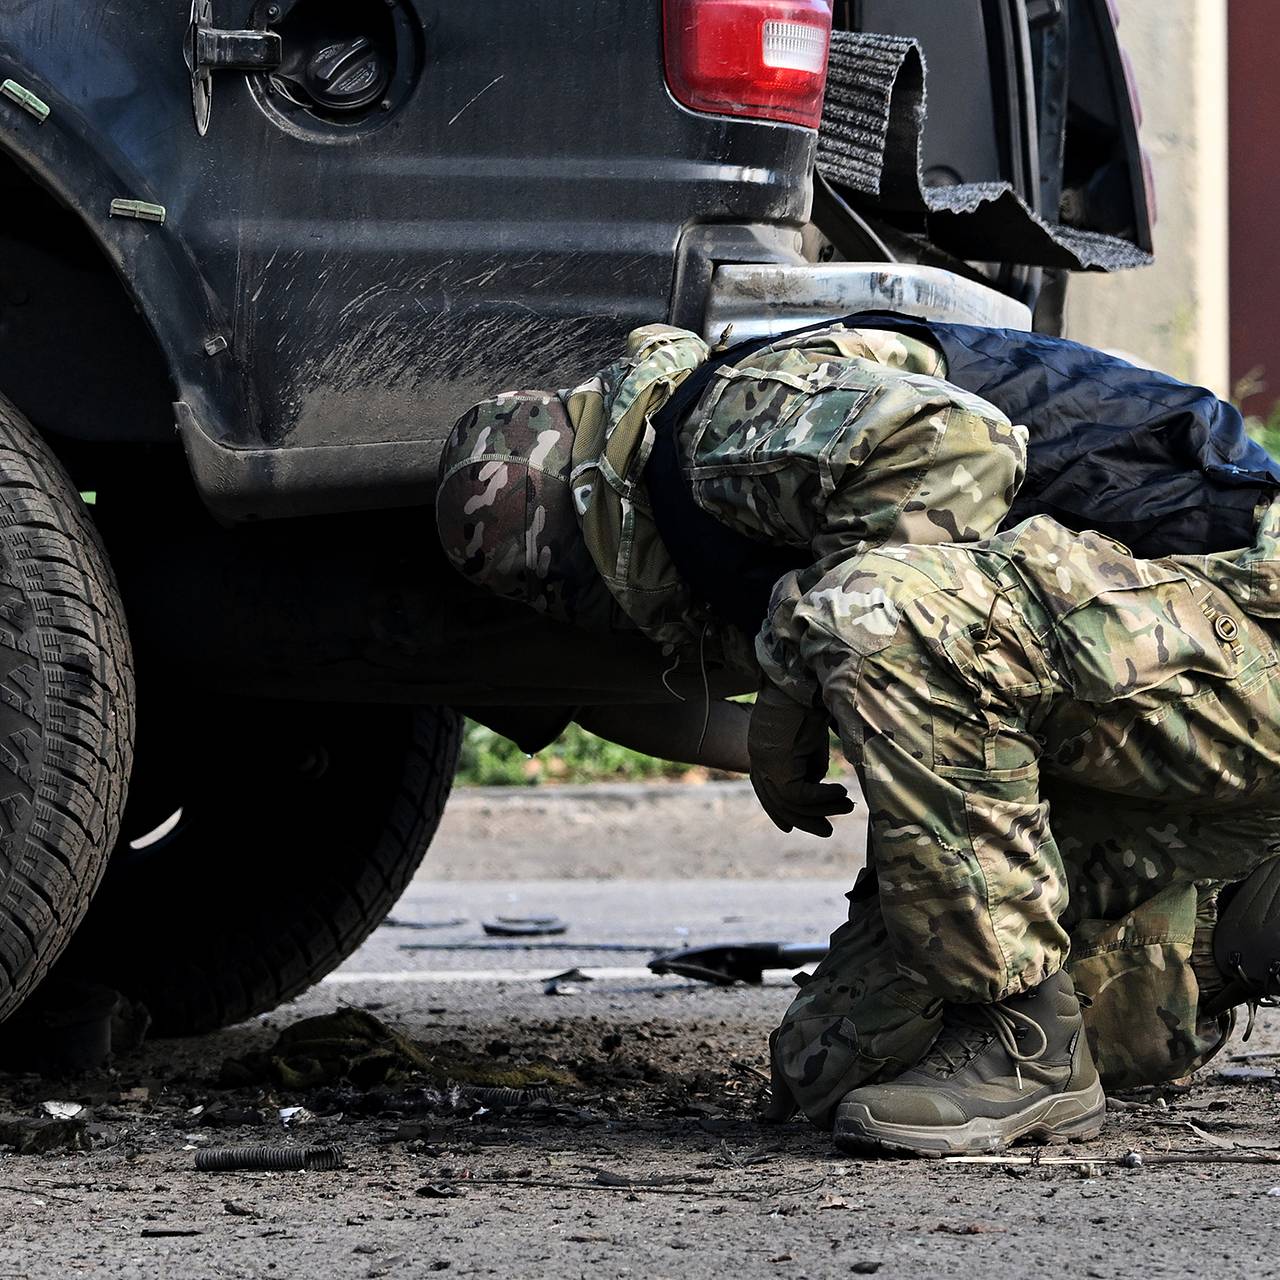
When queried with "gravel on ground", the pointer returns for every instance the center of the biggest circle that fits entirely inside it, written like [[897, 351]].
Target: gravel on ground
[[631, 1146]]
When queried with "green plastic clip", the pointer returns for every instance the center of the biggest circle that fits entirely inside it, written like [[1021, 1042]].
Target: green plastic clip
[[138, 209], [27, 100]]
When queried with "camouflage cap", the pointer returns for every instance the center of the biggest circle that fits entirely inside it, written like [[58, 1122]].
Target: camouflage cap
[[505, 510]]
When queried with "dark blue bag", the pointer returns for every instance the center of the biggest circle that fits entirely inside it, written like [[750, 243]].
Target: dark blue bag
[[1164, 467]]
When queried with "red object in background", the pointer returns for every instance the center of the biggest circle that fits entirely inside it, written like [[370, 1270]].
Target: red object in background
[[766, 59], [1253, 113]]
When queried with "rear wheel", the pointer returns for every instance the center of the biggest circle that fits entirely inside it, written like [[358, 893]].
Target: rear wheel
[[66, 708], [264, 845]]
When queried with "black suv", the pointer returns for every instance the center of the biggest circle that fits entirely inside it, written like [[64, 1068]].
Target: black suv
[[256, 256]]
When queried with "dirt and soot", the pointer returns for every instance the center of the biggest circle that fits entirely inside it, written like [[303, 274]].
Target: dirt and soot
[[491, 1123]]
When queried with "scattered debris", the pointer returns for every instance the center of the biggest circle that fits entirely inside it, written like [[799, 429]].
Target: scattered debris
[[264, 1158], [423, 925], [221, 1115], [490, 1097], [293, 1116], [524, 926], [38, 1193], [440, 1191], [607, 1178], [1246, 1075], [348, 1045], [61, 1110], [1130, 1160], [1119, 1104], [728, 1158], [727, 963], [420, 1134], [1191, 1127], [1155, 1093], [39, 1137], [565, 984], [631, 1188]]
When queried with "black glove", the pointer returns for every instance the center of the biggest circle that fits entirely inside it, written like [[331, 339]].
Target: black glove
[[790, 750]]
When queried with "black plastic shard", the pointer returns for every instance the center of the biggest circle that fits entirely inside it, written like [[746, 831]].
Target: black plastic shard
[[727, 963]]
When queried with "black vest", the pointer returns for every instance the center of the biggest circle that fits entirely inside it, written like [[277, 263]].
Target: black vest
[[1164, 467]]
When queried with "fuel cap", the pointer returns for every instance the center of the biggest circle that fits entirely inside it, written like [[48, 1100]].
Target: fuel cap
[[347, 76]]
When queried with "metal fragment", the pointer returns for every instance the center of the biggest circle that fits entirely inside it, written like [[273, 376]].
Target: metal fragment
[[391, 922], [524, 926]]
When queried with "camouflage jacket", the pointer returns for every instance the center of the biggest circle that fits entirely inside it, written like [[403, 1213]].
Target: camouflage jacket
[[837, 441]]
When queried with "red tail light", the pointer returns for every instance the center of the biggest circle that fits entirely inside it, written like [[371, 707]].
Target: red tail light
[[761, 58]]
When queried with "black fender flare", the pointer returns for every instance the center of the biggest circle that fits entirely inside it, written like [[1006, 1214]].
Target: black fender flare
[[86, 172]]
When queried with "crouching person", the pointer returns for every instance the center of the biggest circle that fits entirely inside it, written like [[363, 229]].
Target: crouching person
[[1071, 759], [809, 450], [783, 512]]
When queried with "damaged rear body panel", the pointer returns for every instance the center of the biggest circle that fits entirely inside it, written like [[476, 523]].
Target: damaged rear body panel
[[338, 272]]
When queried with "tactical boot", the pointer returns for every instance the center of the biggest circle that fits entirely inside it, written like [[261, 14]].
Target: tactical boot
[[1246, 943], [996, 1073]]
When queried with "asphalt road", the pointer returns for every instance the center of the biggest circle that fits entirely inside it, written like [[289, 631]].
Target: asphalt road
[[612, 929], [647, 1159]]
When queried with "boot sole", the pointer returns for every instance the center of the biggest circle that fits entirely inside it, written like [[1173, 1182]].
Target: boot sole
[[1064, 1117]]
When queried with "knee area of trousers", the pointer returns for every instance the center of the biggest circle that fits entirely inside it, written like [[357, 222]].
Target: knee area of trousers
[[877, 604]]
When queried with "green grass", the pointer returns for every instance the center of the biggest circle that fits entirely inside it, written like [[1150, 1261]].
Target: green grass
[[490, 760], [1266, 431], [1264, 428]]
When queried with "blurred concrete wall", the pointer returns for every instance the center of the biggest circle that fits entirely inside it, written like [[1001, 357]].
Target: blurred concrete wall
[[1174, 314]]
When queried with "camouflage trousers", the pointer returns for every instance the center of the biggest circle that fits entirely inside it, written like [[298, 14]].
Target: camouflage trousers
[[1014, 829]]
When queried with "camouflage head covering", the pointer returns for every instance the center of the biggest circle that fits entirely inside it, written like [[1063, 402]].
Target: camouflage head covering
[[505, 512]]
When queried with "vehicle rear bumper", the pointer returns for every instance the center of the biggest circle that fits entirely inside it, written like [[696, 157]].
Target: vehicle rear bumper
[[768, 299]]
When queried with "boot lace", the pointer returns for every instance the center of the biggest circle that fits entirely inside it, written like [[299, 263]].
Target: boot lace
[[968, 1029]]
